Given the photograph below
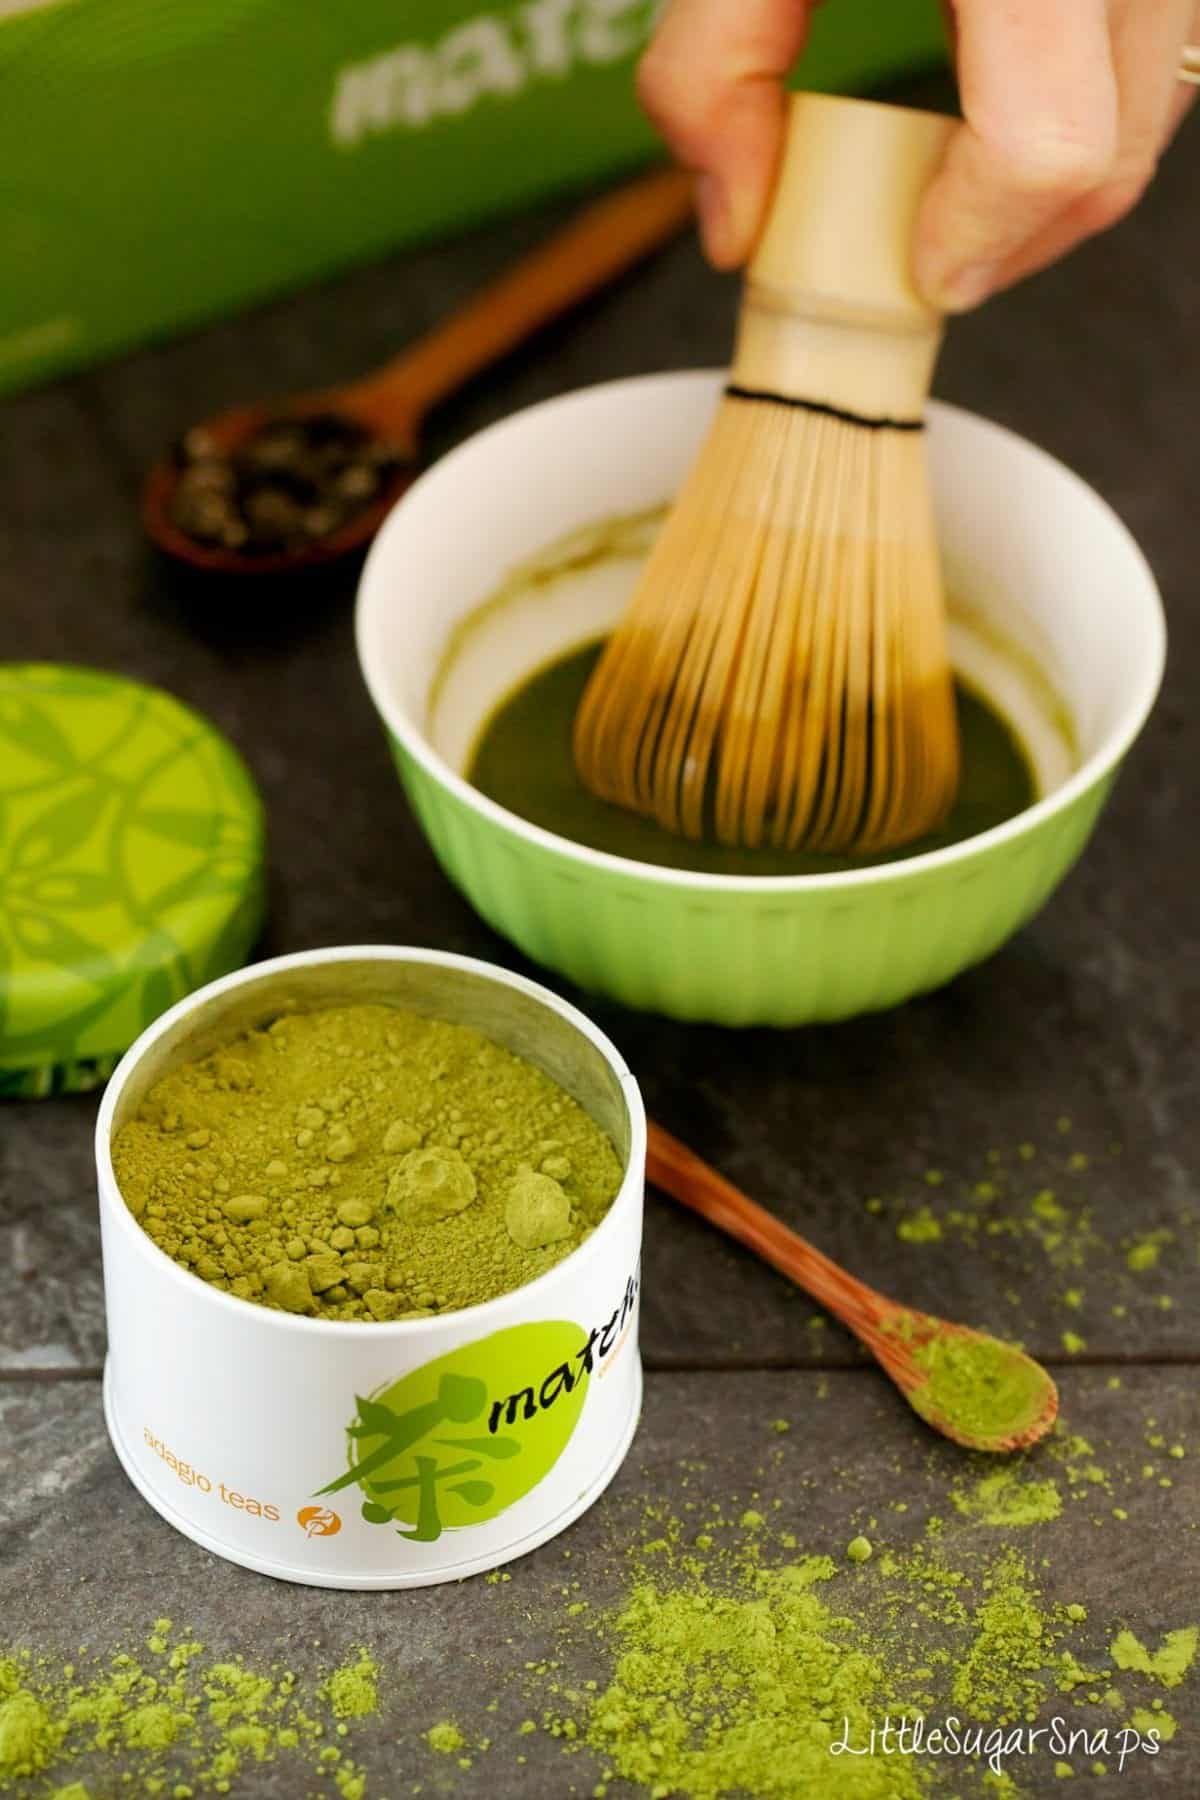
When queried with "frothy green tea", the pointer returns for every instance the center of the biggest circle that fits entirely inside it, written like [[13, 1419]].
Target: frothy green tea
[[523, 761]]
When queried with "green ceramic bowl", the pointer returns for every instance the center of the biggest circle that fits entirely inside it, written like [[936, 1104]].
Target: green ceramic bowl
[[1065, 629]]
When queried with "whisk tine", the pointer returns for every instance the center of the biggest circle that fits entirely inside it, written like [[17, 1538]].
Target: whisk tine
[[781, 674], [846, 801], [620, 719], [720, 598], [823, 718], [753, 711], [716, 723], [887, 769], [681, 669], [808, 726], [802, 582]]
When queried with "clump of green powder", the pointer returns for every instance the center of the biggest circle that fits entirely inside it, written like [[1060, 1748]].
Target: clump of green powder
[[1146, 1719], [364, 1162], [352, 1691], [445, 1737], [716, 1693], [1168, 1665], [1004, 1498], [176, 1721], [921, 1228], [981, 1388], [1002, 1675], [29, 1736]]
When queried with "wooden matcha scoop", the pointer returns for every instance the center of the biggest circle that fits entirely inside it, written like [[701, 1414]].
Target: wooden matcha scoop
[[599, 244], [969, 1386]]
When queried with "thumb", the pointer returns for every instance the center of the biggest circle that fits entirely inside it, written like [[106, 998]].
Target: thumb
[[712, 81], [1039, 97]]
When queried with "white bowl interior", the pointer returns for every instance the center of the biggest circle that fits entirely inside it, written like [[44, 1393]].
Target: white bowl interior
[[570, 595], [1055, 612]]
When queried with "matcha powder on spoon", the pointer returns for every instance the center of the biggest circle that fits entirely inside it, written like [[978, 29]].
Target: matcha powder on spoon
[[981, 1388], [364, 1162]]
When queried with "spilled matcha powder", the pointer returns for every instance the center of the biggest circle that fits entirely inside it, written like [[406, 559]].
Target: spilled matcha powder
[[718, 1692], [1168, 1665], [1008, 1498], [171, 1718], [364, 1162], [739, 1664], [701, 1648]]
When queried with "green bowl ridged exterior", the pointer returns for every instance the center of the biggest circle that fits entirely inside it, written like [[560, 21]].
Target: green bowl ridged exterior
[[1023, 536], [774, 956]]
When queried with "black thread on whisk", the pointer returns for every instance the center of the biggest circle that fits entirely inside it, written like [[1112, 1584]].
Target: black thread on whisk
[[734, 392]]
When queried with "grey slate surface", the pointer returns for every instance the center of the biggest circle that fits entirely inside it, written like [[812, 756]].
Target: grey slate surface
[[83, 1560], [1089, 1016]]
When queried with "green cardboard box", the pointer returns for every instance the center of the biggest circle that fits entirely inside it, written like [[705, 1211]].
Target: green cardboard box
[[165, 161]]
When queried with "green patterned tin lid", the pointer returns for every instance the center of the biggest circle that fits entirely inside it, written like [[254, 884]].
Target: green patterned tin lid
[[131, 868]]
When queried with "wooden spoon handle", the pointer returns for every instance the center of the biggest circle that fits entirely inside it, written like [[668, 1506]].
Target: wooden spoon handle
[[605, 239], [679, 1172]]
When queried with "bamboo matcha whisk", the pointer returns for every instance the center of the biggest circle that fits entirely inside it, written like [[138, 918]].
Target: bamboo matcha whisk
[[781, 674]]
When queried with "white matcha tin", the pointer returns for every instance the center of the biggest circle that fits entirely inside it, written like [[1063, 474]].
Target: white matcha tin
[[368, 1455]]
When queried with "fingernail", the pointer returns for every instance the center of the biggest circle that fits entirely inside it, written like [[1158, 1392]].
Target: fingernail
[[964, 288]]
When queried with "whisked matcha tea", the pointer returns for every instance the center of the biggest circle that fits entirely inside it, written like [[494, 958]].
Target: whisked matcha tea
[[523, 761]]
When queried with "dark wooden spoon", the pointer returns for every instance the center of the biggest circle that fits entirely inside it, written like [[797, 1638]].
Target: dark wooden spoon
[[889, 1330], [606, 239]]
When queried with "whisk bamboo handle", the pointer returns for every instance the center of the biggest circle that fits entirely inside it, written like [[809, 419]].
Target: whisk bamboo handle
[[838, 236], [780, 676], [831, 314]]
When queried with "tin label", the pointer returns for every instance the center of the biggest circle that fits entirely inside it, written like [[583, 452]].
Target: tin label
[[457, 1441]]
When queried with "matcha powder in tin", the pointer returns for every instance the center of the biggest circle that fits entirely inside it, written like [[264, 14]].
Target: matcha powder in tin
[[364, 1162]]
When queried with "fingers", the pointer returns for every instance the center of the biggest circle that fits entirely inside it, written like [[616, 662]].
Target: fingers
[[1148, 39], [712, 81], [1039, 95], [1153, 102], [1067, 107]]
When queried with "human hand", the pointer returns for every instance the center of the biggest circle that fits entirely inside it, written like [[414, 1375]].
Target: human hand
[[1066, 106]]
